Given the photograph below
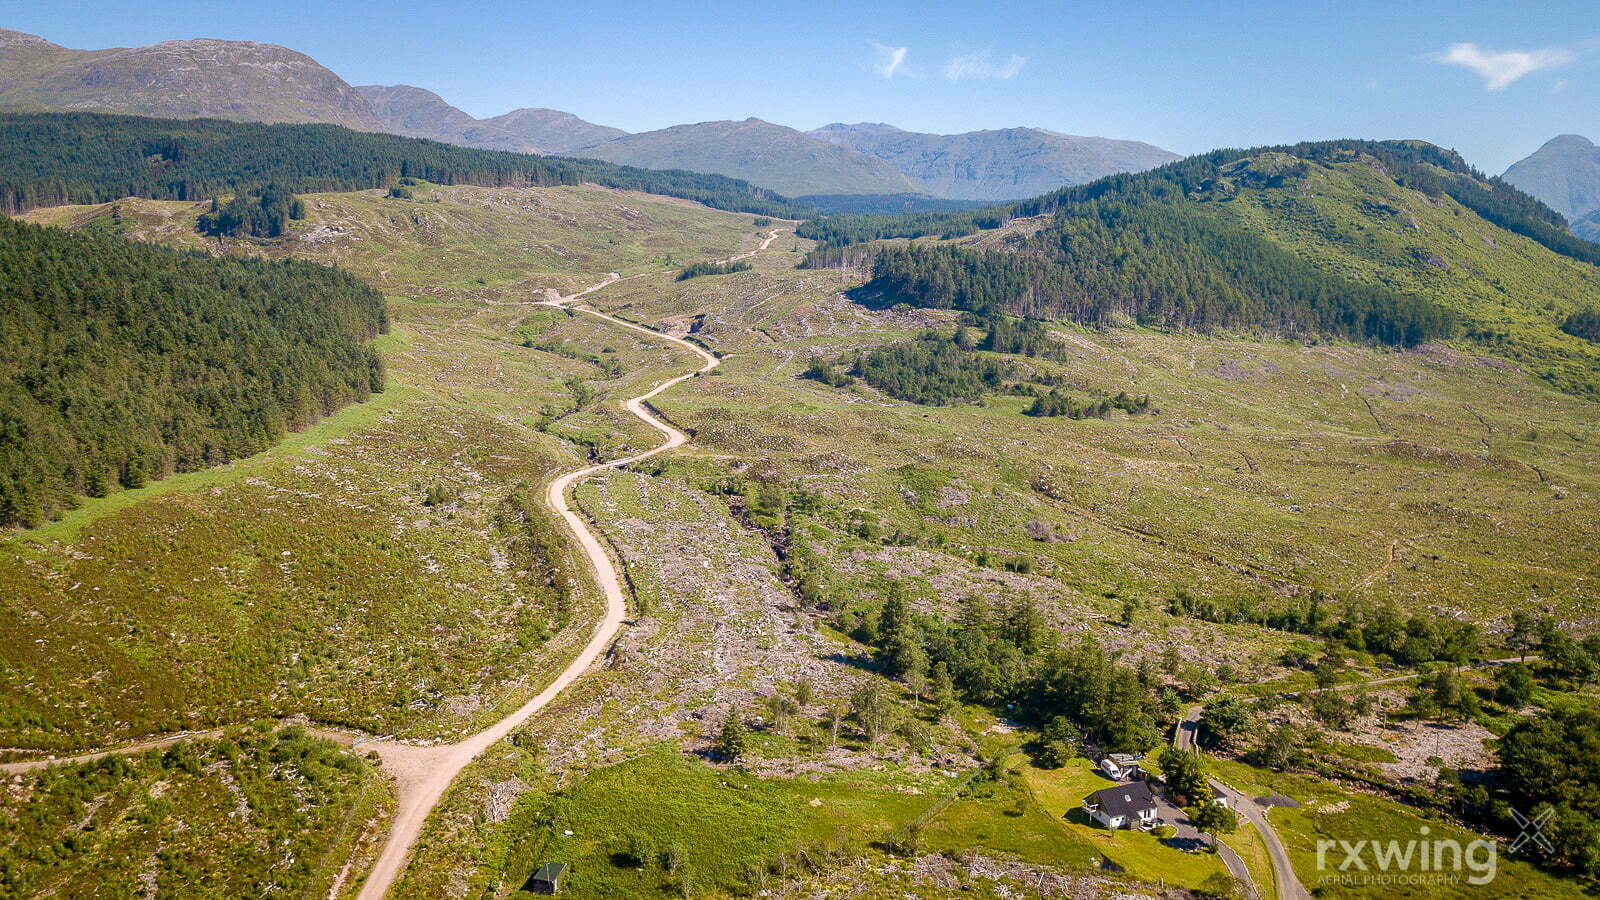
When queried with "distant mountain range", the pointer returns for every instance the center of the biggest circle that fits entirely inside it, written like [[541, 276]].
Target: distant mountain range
[[415, 112], [246, 81], [1006, 164], [1565, 174], [238, 80], [773, 156]]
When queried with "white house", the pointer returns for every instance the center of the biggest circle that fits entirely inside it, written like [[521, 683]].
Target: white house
[[1131, 805]]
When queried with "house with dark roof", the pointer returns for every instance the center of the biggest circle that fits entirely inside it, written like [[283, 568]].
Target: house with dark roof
[[548, 879], [1131, 805]]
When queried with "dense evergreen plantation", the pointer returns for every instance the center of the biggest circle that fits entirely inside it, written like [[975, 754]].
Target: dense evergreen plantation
[[930, 370], [126, 362], [696, 270], [1005, 334], [1098, 265], [50, 159], [265, 214]]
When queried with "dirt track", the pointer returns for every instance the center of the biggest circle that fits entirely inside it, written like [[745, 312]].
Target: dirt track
[[422, 774]]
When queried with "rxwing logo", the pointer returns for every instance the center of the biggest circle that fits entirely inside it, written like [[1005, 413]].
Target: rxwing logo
[[1532, 830]]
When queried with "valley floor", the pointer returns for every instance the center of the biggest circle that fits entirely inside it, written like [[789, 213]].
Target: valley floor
[[394, 574]]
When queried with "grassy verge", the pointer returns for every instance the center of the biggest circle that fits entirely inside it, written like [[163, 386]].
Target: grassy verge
[[1250, 846]]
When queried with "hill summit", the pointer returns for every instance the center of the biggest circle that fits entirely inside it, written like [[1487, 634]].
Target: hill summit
[[238, 80], [1565, 174]]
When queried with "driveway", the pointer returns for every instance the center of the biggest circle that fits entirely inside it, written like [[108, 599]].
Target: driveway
[[1189, 837]]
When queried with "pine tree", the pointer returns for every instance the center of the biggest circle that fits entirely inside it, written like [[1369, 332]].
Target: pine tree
[[942, 690], [732, 738]]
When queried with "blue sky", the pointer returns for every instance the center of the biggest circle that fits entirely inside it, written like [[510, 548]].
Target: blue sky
[[1493, 80]]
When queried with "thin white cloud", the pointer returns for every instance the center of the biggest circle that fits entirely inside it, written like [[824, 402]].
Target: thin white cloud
[[1500, 68], [887, 60], [983, 64]]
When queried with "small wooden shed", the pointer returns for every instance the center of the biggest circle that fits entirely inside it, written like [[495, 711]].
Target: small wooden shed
[[548, 879]]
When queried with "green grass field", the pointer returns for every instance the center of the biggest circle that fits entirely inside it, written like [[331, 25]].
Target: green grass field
[[664, 824], [1060, 792]]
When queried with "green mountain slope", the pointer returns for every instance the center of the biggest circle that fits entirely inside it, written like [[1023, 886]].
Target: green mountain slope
[[1349, 238], [1509, 292], [772, 156], [126, 362], [240, 80], [1564, 173], [52, 159], [1004, 164]]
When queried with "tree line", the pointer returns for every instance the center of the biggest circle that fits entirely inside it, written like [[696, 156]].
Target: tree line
[[52, 159], [699, 269], [886, 204], [1055, 403], [937, 369], [1380, 629], [1008, 657], [128, 362]]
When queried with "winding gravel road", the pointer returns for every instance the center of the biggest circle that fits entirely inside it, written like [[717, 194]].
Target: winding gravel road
[[423, 774]]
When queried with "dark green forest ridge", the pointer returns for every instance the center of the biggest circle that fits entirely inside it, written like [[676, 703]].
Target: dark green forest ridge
[[1395, 242], [126, 362], [1414, 164], [53, 159]]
